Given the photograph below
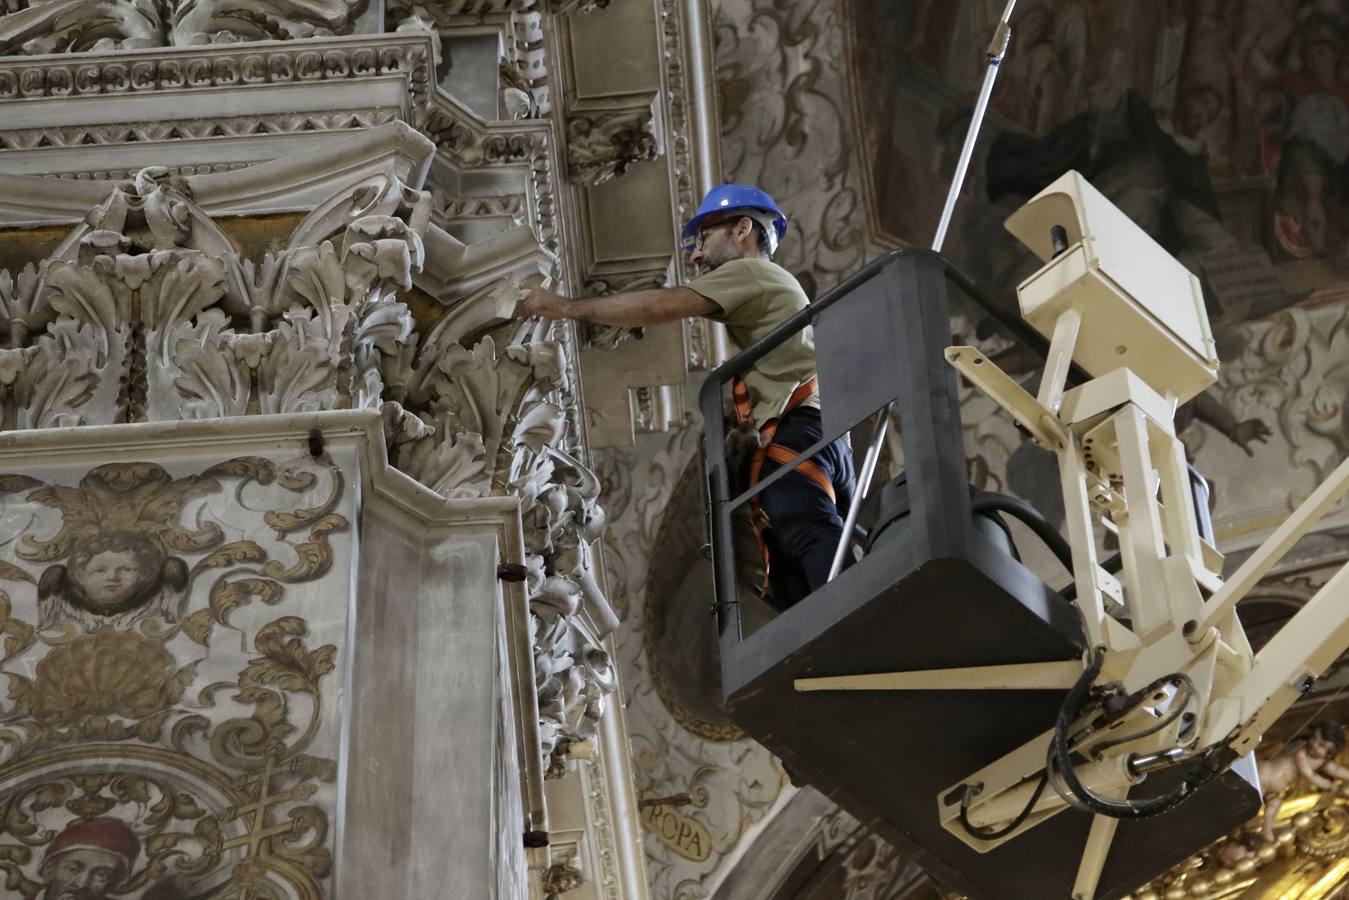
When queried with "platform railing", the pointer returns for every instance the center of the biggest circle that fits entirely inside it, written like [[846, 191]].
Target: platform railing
[[860, 291]]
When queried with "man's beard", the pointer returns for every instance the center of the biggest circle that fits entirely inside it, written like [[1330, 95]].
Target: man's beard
[[709, 263], [72, 893]]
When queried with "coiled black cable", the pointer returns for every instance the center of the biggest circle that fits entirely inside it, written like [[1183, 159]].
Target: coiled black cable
[[1072, 707], [989, 834]]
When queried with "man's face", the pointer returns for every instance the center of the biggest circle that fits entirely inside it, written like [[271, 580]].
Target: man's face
[[110, 577], [84, 874], [716, 246]]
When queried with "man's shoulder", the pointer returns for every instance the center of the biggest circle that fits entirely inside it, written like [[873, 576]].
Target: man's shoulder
[[770, 275]]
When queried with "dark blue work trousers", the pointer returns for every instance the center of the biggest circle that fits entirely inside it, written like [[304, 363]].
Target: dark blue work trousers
[[805, 524]]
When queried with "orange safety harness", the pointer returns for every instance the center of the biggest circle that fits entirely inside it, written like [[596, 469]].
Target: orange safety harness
[[779, 454]]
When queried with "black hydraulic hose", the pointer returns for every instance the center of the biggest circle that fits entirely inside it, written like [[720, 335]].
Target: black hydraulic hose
[[1184, 694], [1028, 516], [989, 834], [1071, 709]]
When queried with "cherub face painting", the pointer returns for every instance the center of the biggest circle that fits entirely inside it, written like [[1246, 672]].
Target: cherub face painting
[[111, 572]]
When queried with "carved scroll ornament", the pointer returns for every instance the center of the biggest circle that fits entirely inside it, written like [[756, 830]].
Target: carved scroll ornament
[[73, 26]]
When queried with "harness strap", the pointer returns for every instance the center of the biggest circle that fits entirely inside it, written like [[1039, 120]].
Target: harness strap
[[744, 409], [779, 454]]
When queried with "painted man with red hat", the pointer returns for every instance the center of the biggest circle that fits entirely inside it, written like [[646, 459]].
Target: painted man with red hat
[[87, 859]]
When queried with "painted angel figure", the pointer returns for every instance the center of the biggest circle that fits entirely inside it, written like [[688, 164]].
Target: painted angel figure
[[112, 581], [1310, 762]]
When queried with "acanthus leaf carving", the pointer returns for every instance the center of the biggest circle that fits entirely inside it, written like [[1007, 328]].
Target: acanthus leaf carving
[[24, 308], [62, 376], [296, 374], [213, 378], [74, 26], [148, 312]]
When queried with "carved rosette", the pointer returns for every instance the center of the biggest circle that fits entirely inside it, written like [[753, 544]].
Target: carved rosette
[[147, 312]]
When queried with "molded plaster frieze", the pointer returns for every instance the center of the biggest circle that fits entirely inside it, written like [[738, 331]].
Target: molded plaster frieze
[[708, 344], [521, 151], [75, 26], [476, 8], [543, 192], [313, 87], [193, 129], [297, 183], [603, 144], [125, 174], [588, 851], [446, 209], [559, 879], [563, 7], [319, 318], [468, 142], [693, 146], [675, 96], [408, 54]]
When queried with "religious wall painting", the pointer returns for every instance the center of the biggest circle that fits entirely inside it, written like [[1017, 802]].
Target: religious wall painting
[[916, 68], [1221, 129], [170, 727], [1252, 98], [1265, 93]]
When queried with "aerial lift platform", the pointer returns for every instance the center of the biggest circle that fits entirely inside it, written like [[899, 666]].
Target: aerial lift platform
[[1024, 743]]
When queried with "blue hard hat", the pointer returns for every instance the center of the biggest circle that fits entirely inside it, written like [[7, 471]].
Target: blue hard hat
[[732, 198]]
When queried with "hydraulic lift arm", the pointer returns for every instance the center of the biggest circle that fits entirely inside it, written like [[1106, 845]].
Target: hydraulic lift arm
[[1168, 681]]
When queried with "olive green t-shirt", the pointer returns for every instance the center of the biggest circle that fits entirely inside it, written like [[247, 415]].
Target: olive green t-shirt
[[754, 296]]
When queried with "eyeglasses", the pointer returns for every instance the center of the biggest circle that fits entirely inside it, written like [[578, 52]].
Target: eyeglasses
[[699, 241]]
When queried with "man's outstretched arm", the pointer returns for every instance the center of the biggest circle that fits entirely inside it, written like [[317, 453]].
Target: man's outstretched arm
[[630, 309]]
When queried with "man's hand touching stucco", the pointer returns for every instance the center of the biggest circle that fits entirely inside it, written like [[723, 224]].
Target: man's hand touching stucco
[[544, 303]]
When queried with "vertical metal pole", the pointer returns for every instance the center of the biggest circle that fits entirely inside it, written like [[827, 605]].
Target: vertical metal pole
[[863, 482], [997, 50]]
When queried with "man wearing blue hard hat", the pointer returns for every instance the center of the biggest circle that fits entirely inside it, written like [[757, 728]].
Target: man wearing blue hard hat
[[732, 239]]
